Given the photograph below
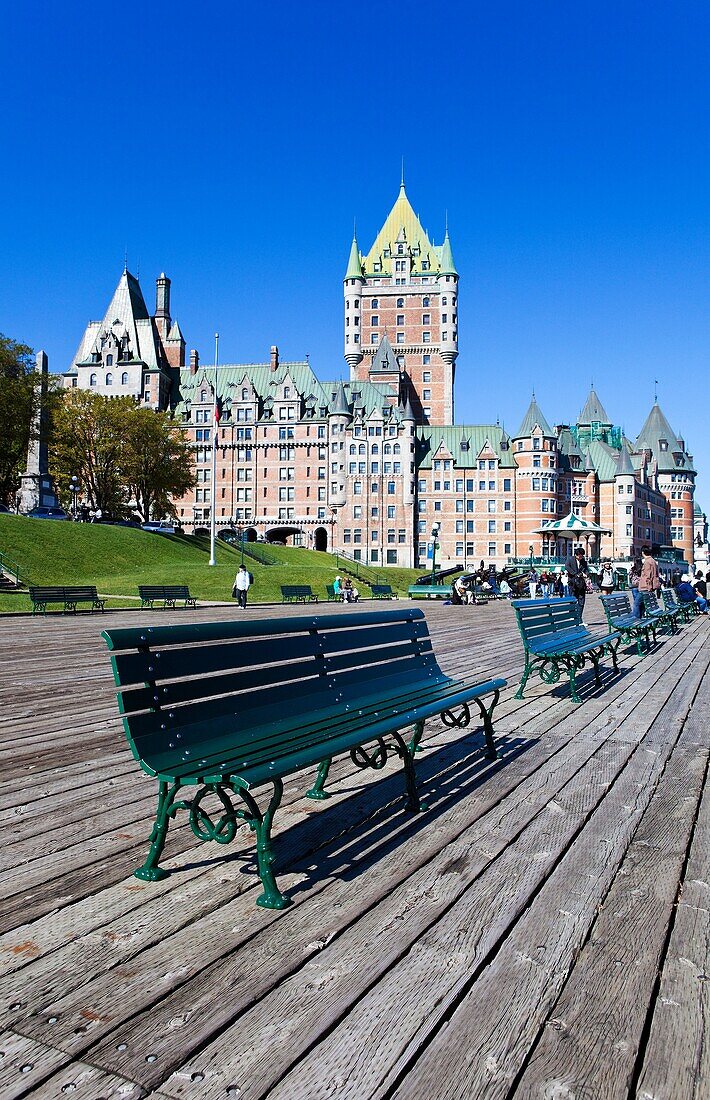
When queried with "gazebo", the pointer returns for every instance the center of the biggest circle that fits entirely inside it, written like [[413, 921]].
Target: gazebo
[[571, 529]]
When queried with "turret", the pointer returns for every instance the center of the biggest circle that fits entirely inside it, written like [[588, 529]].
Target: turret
[[448, 279], [339, 419], [624, 498], [352, 292]]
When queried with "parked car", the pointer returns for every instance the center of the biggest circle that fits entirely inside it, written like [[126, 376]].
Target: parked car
[[161, 526], [47, 513]]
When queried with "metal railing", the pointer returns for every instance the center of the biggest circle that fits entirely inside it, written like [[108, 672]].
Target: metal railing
[[362, 570], [13, 569]]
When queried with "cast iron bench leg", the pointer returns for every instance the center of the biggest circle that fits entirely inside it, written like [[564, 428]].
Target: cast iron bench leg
[[487, 716], [317, 791], [524, 679], [150, 872], [272, 898]]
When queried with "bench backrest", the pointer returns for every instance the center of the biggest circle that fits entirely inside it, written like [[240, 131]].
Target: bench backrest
[[46, 592], [540, 620], [381, 589], [650, 601], [669, 599], [429, 590], [616, 605], [63, 592], [80, 592], [181, 688], [176, 591], [151, 591], [296, 590]]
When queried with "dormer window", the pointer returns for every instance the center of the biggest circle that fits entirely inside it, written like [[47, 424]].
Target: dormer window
[[245, 394], [203, 395], [287, 392], [464, 444], [425, 265], [663, 444], [378, 266], [536, 444], [109, 360], [400, 250]]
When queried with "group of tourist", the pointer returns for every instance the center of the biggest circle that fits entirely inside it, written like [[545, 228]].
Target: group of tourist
[[644, 577]]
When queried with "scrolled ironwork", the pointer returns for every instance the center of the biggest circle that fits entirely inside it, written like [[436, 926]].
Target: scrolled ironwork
[[202, 823], [456, 721], [549, 673], [376, 759]]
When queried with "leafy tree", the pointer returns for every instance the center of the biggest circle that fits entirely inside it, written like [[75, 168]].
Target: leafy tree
[[19, 395], [157, 463], [89, 441], [125, 457]]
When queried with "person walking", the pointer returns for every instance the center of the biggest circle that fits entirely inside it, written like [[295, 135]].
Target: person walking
[[533, 581], [606, 582], [634, 578], [649, 580], [578, 573], [564, 577], [242, 583]]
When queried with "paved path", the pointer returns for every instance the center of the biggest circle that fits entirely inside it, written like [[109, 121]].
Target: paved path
[[541, 932]]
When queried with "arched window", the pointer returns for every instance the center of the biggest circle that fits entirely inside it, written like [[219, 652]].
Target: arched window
[[245, 394], [443, 300], [353, 449], [109, 360], [400, 303], [387, 449], [124, 378], [361, 449], [287, 391], [109, 379], [425, 302], [397, 449], [375, 303], [92, 380], [375, 449], [203, 395]]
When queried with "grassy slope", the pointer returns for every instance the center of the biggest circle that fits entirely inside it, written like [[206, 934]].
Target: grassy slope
[[117, 559]]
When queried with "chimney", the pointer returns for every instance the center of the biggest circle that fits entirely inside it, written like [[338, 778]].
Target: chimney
[[194, 361], [162, 296], [274, 357]]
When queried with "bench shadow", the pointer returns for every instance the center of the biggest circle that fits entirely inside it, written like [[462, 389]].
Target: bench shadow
[[339, 840]]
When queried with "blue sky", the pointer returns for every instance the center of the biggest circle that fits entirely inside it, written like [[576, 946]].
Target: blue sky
[[231, 145]]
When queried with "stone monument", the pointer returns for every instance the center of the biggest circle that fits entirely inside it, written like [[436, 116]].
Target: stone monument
[[36, 486]]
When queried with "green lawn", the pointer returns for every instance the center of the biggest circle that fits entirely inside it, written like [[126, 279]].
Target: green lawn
[[117, 559]]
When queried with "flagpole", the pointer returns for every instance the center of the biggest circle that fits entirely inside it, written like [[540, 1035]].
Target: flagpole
[[215, 431]]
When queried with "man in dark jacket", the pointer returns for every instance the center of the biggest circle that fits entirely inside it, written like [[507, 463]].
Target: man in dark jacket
[[576, 566]]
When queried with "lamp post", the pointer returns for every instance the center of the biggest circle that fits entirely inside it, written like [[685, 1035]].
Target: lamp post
[[434, 536], [74, 490], [531, 548]]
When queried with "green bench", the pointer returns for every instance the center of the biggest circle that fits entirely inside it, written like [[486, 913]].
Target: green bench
[[430, 591], [331, 593], [297, 593], [167, 594], [66, 595], [555, 638], [620, 616], [685, 609], [653, 609], [227, 707], [383, 592]]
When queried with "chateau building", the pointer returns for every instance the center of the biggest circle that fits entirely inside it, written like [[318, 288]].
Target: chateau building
[[367, 465]]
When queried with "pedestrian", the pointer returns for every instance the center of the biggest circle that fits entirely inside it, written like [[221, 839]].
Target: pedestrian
[[634, 578], [607, 579], [337, 589], [347, 590], [545, 585], [649, 580], [578, 572], [564, 577], [688, 594], [558, 587], [701, 590], [533, 581], [242, 583]]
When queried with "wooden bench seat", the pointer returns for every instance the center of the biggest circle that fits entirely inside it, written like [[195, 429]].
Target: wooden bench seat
[[297, 593], [66, 595], [383, 592], [430, 591], [230, 706], [555, 638], [685, 609], [666, 618], [165, 594], [620, 616]]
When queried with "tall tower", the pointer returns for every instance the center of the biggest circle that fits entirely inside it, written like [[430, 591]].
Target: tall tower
[[405, 288]]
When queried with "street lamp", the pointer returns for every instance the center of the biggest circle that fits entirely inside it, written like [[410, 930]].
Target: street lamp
[[531, 548], [434, 535], [74, 490]]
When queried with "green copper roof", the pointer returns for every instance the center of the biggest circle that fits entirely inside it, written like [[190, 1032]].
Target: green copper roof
[[533, 418], [402, 226], [464, 442], [354, 262], [593, 410], [340, 407], [624, 464], [658, 437], [447, 258]]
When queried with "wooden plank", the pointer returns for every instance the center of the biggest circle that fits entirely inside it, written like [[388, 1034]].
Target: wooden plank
[[589, 1044], [25, 1063], [86, 1082]]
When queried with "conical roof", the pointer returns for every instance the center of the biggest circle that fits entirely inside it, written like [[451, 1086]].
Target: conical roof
[[624, 464], [408, 411], [447, 258], [126, 314], [534, 417], [384, 358], [175, 333], [588, 463], [339, 405], [572, 525], [354, 262], [593, 410], [658, 437]]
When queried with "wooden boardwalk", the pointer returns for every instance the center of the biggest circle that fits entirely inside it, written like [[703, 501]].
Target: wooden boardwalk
[[542, 931]]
